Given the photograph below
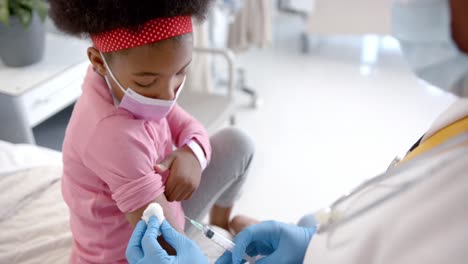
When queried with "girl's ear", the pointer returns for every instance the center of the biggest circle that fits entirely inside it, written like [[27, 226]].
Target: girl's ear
[[96, 60]]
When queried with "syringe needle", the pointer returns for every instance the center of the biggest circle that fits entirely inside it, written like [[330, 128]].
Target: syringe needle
[[217, 238], [195, 223]]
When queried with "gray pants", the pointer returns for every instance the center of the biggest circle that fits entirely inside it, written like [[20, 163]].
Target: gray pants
[[222, 180]]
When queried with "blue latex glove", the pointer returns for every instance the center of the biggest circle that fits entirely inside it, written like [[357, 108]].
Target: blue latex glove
[[143, 247], [278, 242]]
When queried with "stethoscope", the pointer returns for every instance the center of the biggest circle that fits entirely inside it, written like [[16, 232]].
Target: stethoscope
[[337, 214]]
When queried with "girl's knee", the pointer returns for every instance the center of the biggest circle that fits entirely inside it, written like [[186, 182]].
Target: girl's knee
[[237, 141]]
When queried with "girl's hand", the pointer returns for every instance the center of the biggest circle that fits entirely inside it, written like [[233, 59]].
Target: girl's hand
[[184, 176]]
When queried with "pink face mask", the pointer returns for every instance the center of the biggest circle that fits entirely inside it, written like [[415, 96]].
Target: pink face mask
[[142, 107]]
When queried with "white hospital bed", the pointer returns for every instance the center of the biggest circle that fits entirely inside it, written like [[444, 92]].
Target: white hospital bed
[[33, 216]]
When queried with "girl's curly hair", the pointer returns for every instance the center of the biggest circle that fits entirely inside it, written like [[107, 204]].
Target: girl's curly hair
[[87, 17]]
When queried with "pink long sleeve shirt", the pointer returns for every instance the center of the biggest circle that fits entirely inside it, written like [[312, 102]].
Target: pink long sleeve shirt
[[108, 158]]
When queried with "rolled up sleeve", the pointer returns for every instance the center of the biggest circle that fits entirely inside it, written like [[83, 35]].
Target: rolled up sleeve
[[122, 154]]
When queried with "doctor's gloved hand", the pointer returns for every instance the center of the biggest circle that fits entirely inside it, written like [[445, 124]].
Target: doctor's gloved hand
[[144, 248], [278, 242]]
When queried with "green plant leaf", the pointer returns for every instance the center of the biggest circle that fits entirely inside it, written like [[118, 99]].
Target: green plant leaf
[[4, 12], [24, 16], [14, 6], [25, 3], [42, 8], [24, 10]]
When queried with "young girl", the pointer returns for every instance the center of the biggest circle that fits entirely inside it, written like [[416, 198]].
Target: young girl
[[118, 152]]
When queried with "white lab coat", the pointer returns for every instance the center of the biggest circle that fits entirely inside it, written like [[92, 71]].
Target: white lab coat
[[426, 224]]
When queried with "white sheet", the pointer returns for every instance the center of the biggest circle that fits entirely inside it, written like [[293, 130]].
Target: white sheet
[[36, 228], [19, 189], [14, 158]]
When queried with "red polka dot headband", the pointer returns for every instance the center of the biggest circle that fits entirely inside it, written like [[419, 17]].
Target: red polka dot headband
[[152, 31]]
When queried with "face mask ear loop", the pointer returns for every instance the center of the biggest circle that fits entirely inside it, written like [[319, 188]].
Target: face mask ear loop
[[111, 74], [180, 89], [116, 101]]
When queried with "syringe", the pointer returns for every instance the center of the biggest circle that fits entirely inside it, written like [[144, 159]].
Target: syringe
[[217, 238]]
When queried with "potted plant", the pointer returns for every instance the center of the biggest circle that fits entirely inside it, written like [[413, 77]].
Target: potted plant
[[22, 31]]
